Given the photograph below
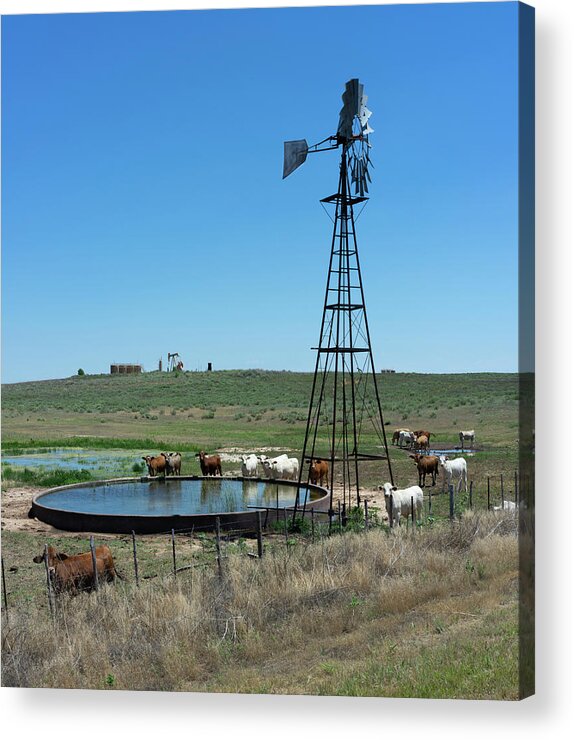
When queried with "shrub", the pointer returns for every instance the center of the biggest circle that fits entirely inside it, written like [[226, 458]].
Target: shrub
[[80, 371], [47, 478]]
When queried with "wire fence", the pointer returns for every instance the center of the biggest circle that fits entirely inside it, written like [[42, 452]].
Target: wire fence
[[173, 552]]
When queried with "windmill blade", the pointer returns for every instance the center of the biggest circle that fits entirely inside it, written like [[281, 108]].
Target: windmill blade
[[364, 113], [352, 98], [294, 154]]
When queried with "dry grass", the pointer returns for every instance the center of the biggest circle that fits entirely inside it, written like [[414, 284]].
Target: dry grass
[[431, 614]]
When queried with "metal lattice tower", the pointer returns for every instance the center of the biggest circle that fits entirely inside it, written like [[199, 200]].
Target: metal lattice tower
[[345, 423]]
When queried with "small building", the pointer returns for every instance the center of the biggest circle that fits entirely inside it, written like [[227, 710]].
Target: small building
[[128, 369]]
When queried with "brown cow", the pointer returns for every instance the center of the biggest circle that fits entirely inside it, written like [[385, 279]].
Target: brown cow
[[422, 433], [209, 464], [318, 471], [76, 572], [422, 443], [155, 465], [426, 464]]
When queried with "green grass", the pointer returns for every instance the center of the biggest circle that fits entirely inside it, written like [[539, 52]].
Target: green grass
[[258, 389], [485, 666], [31, 445], [45, 478]]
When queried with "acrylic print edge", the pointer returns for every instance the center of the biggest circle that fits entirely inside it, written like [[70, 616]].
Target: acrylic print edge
[[526, 346]]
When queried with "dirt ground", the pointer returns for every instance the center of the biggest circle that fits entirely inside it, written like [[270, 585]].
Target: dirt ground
[[16, 503]]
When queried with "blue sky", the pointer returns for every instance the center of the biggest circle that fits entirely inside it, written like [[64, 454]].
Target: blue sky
[[144, 210]]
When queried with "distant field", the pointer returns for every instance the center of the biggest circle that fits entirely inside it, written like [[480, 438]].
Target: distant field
[[240, 406]]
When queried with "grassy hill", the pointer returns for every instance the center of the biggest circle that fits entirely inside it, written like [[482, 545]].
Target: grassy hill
[[239, 407], [259, 390]]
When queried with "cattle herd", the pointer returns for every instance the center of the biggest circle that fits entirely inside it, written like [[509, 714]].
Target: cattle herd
[[75, 572], [284, 467], [419, 441], [281, 467]]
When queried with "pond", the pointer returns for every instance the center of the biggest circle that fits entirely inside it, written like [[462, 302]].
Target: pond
[[455, 451], [172, 497], [106, 461]]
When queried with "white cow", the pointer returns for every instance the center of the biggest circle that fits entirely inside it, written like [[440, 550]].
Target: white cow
[[172, 463], [508, 506], [267, 463], [402, 501], [286, 469], [406, 438], [249, 466], [466, 435], [456, 468]]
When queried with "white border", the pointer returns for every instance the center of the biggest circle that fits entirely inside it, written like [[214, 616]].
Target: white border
[[102, 714]]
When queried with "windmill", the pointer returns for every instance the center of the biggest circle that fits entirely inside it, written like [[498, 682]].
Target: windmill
[[345, 423]]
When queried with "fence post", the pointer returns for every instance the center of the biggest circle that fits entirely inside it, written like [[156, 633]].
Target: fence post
[[285, 528], [339, 517], [135, 558], [259, 536], [470, 496], [501, 492], [488, 493], [48, 580], [94, 564], [515, 488], [413, 514], [344, 515], [312, 525], [173, 553], [366, 515], [218, 545], [4, 588], [451, 501]]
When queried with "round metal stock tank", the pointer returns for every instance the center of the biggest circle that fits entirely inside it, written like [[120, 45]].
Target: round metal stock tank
[[156, 505]]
